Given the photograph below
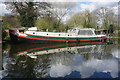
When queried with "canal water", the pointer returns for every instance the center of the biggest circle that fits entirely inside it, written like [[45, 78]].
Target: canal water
[[73, 60]]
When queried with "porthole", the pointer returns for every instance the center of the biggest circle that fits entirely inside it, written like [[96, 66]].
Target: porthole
[[59, 34], [33, 32], [47, 34]]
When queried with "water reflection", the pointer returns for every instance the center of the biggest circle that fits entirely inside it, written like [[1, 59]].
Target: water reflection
[[61, 60]]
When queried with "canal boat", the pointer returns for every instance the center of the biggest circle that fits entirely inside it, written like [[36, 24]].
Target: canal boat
[[72, 35]]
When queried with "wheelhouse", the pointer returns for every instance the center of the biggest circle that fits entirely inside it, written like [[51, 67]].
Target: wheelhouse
[[85, 31]]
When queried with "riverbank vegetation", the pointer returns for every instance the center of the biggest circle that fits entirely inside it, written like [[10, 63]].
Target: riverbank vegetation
[[46, 17], [119, 37]]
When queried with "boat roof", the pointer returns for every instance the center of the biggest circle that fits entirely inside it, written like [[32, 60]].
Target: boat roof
[[20, 28], [84, 28]]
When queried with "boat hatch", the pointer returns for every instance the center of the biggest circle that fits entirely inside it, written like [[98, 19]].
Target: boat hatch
[[21, 31]]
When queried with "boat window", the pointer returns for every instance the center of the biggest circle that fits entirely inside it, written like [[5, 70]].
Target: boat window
[[74, 30], [85, 32]]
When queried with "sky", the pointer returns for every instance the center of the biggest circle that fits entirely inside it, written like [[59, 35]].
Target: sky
[[80, 5], [91, 5]]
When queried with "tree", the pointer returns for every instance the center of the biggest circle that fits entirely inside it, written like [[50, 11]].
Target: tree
[[75, 20], [46, 22], [87, 19], [29, 11], [111, 28], [81, 19], [43, 24], [10, 21], [59, 10], [105, 16]]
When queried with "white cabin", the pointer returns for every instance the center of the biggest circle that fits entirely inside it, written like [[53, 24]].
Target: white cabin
[[71, 33]]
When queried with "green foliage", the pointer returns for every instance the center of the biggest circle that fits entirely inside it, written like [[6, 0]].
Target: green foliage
[[66, 27], [10, 21], [43, 24], [4, 34], [75, 20], [50, 23], [61, 28], [118, 33], [29, 11], [5, 25], [119, 37], [7, 37], [82, 19]]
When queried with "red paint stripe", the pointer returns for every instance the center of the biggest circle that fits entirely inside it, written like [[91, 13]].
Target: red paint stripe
[[91, 42], [71, 40], [92, 39], [41, 48]]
